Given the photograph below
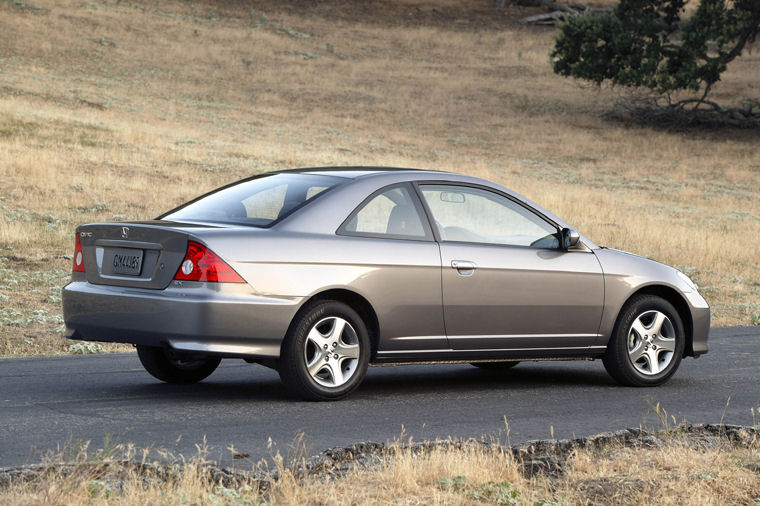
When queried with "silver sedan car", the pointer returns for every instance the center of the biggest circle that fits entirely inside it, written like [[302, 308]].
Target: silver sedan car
[[320, 272]]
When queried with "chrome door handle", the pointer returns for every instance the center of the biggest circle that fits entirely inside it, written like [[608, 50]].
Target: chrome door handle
[[463, 267]]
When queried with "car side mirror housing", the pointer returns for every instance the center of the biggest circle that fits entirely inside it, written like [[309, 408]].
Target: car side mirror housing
[[570, 238]]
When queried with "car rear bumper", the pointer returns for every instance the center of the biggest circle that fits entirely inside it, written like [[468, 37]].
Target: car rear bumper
[[217, 318]]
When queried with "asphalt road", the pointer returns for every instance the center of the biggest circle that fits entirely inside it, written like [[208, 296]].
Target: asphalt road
[[47, 402]]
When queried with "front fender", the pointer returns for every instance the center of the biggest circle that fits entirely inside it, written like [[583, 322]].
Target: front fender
[[626, 274]]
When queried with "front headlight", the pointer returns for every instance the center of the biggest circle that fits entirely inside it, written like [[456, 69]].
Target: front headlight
[[686, 279]]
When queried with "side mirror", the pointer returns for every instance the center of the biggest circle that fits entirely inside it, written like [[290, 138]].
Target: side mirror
[[570, 238]]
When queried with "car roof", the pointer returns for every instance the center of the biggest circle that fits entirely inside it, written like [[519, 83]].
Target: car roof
[[355, 172]]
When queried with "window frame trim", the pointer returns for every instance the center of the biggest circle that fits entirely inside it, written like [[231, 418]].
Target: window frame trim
[[418, 206], [420, 183]]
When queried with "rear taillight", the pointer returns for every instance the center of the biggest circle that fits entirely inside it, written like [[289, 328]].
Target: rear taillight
[[78, 255], [202, 264]]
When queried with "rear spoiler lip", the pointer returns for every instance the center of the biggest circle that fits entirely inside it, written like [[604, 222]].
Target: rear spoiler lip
[[161, 224]]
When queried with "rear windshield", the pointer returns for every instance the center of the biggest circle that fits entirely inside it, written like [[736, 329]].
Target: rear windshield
[[257, 202]]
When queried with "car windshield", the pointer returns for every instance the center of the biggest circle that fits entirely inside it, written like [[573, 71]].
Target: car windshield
[[257, 202]]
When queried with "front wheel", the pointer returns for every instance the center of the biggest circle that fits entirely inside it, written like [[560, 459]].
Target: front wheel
[[174, 366], [326, 352], [647, 344]]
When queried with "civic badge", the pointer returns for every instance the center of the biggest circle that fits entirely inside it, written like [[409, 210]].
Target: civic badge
[[124, 232]]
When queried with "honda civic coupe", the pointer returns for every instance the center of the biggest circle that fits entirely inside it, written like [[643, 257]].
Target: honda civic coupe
[[319, 273]]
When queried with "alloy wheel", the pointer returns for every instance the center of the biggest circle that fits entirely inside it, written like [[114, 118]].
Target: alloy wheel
[[651, 342], [332, 352]]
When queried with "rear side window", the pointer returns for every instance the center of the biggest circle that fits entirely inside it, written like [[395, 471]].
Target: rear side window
[[392, 213], [258, 202]]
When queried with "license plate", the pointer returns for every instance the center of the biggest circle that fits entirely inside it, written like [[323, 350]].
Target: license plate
[[127, 261]]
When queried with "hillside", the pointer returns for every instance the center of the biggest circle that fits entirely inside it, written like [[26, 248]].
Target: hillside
[[119, 110]]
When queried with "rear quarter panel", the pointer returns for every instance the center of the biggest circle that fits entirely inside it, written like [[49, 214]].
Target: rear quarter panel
[[401, 279]]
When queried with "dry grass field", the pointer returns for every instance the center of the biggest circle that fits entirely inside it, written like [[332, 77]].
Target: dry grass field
[[671, 468], [114, 110]]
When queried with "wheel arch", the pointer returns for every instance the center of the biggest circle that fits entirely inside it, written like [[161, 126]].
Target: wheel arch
[[356, 302], [678, 302]]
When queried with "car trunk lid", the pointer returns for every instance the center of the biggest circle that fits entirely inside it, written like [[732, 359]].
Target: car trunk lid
[[137, 254]]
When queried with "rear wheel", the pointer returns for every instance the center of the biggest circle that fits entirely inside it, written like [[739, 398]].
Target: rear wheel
[[325, 353], [174, 366], [647, 344], [495, 366]]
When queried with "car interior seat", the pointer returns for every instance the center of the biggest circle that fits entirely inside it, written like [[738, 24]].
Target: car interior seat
[[404, 220]]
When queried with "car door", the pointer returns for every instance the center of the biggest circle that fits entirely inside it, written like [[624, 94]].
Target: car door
[[506, 283]]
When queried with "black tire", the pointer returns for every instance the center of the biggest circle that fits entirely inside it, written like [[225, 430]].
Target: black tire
[[298, 348], [618, 359], [495, 366], [175, 366]]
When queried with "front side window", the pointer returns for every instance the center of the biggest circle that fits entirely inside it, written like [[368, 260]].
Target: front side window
[[390, 213], [257, 202], [464, 214]]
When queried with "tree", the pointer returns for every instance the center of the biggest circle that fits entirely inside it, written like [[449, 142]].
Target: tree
[[653, 44]]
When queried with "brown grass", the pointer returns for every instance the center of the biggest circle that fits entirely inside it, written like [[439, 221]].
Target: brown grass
[[671, 468], [119, 111]]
